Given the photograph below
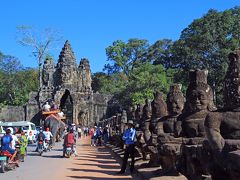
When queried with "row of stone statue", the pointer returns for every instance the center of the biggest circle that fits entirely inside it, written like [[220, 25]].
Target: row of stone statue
[[189, 135]]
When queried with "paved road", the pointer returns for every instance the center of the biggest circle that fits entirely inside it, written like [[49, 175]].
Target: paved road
[[36, 167], [92, 163]]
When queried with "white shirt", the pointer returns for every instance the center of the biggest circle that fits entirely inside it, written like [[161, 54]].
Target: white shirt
[[48, 135], [79, 130], [15, 139], [46, 107]]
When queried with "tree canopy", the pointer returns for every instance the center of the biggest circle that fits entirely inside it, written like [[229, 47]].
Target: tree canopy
[[16, 82], [204, 44]]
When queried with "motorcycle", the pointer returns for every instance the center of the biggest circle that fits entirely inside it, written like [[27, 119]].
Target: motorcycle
[[69, 151], [47, 146], [5, 163], [40, 147]]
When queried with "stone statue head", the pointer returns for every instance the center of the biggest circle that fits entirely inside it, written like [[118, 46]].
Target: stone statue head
[[158, 105], [175, 100], [232, 81], [199, 94]]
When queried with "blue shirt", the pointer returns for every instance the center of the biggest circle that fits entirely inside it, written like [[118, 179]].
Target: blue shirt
[[5, 141], [129, 136]]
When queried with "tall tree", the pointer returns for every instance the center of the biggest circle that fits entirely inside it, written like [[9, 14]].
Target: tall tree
[[160, 53], [206, 43], [41, 42], [124, 57]]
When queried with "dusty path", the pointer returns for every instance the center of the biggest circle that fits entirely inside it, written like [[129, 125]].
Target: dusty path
[[92, 163]]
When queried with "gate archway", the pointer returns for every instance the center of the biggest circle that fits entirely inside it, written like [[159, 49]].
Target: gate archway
[[66, 105]]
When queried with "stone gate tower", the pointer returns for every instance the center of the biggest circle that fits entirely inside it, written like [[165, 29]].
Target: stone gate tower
[[69, 86]]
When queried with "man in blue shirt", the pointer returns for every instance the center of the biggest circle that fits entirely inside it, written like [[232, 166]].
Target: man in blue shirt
[[6, 144], [129, 139]]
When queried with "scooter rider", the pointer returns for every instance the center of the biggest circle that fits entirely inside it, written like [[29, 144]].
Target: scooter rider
[[6, 144], [48, 135], [69, 141], [40, 137]]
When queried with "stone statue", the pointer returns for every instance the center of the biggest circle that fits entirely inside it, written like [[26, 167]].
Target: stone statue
[[223, 126], [175, 104], [199, 102], [131, 113], [138, 114], [123, 120], [144, 134], [168, 147], [159, 110]]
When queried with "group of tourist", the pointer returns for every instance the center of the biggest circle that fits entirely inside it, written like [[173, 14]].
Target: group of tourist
[[99, 135]]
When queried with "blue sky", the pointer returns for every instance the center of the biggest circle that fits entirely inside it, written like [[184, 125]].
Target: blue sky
[[92, 25]]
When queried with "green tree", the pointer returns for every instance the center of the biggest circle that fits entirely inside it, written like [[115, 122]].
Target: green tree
[[160, 53], [124, 57], [206, 43], [15, 81]]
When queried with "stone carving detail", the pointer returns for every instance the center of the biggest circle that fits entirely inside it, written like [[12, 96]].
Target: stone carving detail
[[223, 126], [159, 110], [66, 72], [175, 104], [199, 100], [168, 146], [123, 120], [85, 75], [47, 73]]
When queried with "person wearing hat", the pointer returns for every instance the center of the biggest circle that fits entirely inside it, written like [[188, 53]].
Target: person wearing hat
[[129, 136]]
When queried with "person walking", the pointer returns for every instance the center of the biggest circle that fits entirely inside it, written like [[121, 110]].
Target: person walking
[[129, 140], [79, 130]]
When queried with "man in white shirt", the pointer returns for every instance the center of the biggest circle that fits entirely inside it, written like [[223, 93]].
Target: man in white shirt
[[48, 136], [15, 139]]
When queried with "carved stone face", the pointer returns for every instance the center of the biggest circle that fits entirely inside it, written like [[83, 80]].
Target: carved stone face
[[198, 100], [175, 105]]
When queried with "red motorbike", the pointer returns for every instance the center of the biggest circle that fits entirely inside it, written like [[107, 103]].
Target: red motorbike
[[5, 162]]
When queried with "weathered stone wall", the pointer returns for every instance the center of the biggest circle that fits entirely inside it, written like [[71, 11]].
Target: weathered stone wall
[[12, 113]]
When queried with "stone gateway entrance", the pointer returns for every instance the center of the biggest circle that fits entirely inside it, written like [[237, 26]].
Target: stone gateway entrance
[[66, 105], [69, 86]]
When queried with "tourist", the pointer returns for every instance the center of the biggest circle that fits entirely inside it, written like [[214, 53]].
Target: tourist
[[99, 136], [14, 139], [48, 136], [105, 134], [69, 141], [7, 144], [129, 140], [92, 132], [24, 144], [79, 130]]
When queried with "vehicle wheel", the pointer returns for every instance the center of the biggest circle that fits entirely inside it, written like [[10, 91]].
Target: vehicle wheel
[[2, 168], [68, 155], [41, 153]]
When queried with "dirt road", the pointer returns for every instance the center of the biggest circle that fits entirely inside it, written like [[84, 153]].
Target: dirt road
[[92, 163]]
